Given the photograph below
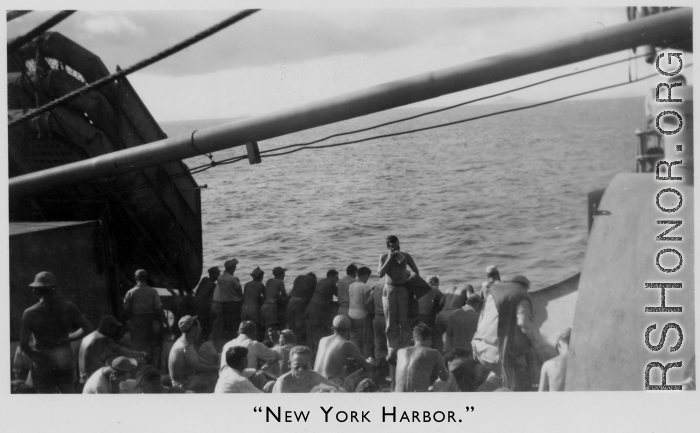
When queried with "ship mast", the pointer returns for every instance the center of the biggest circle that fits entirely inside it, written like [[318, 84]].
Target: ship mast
[[658, 30]]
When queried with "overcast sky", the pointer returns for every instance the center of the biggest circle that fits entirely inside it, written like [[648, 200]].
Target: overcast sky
[[280, 58]]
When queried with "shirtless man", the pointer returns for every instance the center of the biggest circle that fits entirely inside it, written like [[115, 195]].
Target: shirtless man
[[300, 377], [554, 370], [415, 365], [392, 265], [333, 354]]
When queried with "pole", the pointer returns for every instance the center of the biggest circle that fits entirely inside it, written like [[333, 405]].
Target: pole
[[659, 30]]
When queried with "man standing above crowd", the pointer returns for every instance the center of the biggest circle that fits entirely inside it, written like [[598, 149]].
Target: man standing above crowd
[[299, 298], [203, 298], [275, 299], [54, 323], [361, 330], [187, 369], [97, 347], [344, 288], [392, 265], [318, 316], [415, 365], [253, 297], [226, 306], [300, 378], [142, 305], [506, 335], [334, 352]]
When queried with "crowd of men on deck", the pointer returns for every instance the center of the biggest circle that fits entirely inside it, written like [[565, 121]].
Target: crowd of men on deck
[[403, 334]]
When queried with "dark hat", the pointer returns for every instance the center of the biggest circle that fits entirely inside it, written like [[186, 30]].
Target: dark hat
[[44, 279], [257, 272], [186, 322], [122, 363], [278, 271], [141, 273], [230, 263], [109, 320], [214, 269]]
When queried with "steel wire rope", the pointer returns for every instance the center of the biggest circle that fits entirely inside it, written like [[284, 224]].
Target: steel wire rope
[[140, 65], [36, 31], [442, 125], [454, 106]]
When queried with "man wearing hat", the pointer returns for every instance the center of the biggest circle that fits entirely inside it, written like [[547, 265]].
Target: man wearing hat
[[299, 298], [334, 352], [100, 345], [506, 336], [226, 306], [253, 297], [187, 369], [51, 321], [492, 276], [203, 298], [275, 302], [110, 379], [142, 305]]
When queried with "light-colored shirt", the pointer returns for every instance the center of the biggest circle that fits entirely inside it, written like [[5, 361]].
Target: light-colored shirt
[[343, 293], [142, 299], [228, 289], [256, 350], [99, 383], [358, 294], [231, 381]]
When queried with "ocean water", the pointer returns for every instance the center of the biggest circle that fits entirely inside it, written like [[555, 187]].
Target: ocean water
[[509, 190]]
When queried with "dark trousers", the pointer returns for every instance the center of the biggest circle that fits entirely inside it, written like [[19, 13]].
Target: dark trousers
[[226, 317], [295, 319]]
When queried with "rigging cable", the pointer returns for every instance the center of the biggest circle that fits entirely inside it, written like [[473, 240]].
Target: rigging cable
[[36, 31], [452, 106], [140, 65]]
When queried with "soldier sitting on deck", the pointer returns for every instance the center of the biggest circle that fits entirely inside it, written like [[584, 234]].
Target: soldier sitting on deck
[[187, 369], [415, 365], [333, 354], [301, 378]]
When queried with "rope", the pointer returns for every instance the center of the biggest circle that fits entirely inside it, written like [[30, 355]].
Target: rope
[[41, 28], [452, 106], [140, 65]]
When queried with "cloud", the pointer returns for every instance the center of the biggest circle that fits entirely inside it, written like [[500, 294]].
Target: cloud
[[284, 37], [115, 24]]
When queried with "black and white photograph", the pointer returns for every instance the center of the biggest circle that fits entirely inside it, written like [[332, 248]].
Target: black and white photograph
[[376, 198]]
